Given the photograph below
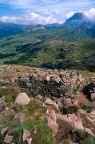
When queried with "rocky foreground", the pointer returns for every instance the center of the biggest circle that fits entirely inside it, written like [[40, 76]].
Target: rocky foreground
[[41, 106]]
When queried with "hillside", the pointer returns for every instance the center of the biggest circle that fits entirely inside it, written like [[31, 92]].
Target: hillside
[[8, 29], [55, 48]]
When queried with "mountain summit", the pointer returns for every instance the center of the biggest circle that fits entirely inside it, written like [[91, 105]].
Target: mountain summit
[[79, 16], [80, 20]]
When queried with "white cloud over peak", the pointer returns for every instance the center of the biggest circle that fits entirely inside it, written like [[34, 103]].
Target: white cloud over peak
[[70, 14], [90, 13]]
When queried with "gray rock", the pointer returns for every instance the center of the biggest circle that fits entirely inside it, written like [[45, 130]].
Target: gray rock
[[7, 113], [8, 139], [19, 118], [39, 97], [2, 103], [26, 135], [22, 99], [93, 96], [52, 124], [29, 140]]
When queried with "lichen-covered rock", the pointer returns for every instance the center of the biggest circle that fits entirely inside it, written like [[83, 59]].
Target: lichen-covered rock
[[22, 99]]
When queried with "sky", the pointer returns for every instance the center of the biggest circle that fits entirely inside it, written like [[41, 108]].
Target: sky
[[44, 11]]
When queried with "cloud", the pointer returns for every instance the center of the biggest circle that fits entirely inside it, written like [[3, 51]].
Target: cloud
[[90, 13], [44, 11], [70, 14], [9, 19], [31, 18], [46, 18]]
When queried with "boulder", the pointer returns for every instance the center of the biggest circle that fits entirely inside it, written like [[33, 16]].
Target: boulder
[[19, 118], [8, 139], [22, 99], [26, 135], [52, 124]]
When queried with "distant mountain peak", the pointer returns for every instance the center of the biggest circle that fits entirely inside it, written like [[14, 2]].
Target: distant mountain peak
[[38, 27], [79, 20], [78, 16]]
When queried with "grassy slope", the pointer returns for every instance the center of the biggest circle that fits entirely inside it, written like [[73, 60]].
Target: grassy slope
[[50, 48]]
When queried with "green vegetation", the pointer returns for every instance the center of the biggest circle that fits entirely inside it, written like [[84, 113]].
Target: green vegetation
[[10, 93], [88, 140], [55, 48], [35, 118], [88, 108]]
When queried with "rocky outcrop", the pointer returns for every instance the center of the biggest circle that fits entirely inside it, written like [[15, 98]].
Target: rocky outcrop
[[46, 82]]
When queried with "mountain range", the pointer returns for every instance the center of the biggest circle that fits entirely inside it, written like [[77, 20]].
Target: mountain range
[[63, 46], [78, 20]]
